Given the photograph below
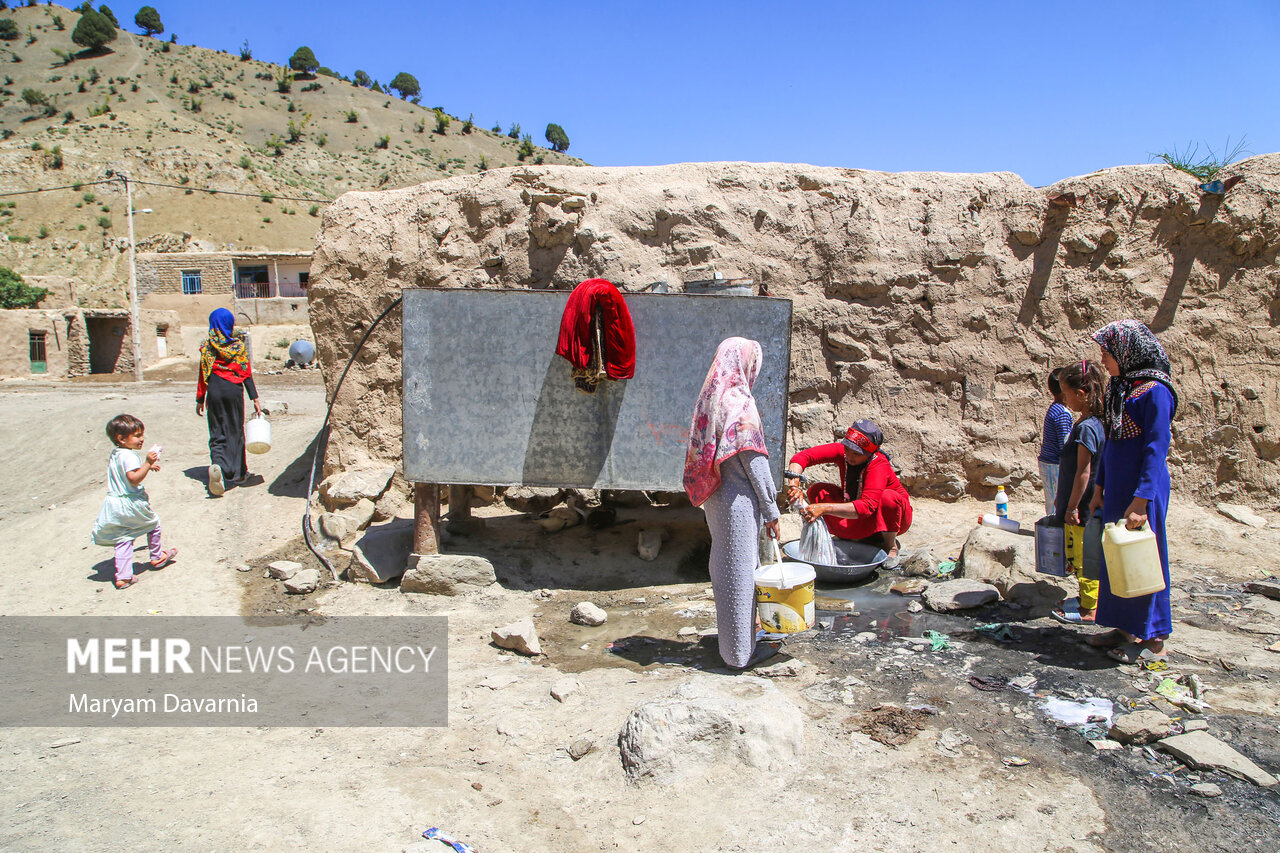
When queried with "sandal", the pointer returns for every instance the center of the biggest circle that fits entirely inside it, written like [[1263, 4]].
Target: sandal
[[1108, 639], [1136, 653], [125, 584], [1069, 613], [216, 484], [763, 652], [166, 557]]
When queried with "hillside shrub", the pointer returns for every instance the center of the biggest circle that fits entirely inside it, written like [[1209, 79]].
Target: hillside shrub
[[557, 137], [246, 52], [469, 124], [513, 132], [8, 32], [104, 222], [16, 293], [362, 79], [526, 147], [57, 23], [442, 121], [314, 210], [148, 20], [352, 117], [383, 142], [284, 81], [34, 98], [406, 84], [93, 31], [304, 61]]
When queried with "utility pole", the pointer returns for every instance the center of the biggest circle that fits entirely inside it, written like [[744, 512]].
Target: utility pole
[[134, 319]]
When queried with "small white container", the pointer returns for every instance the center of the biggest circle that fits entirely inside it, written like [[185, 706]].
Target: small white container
[[991, 520], [257, 435]]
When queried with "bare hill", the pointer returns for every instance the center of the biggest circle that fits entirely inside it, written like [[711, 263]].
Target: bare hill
[[195, 119]]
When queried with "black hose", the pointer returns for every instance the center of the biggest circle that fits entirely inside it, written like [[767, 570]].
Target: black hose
[[322, 439]]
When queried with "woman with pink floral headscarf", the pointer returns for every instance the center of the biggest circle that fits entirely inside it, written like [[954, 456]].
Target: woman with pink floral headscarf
[[726, 472]]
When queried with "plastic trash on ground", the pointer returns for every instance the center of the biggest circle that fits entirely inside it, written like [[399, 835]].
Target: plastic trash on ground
[[1074, 714], [445, 838], [937, 641]]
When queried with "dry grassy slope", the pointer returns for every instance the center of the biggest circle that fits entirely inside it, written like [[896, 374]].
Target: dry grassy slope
[[154, 134]]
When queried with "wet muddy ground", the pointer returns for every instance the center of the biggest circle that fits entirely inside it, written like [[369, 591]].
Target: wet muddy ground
[[878, 664]]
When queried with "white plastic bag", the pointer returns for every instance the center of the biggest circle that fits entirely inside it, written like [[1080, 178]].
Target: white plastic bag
[[816, 546]]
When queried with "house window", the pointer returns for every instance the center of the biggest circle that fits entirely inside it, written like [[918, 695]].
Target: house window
[[304, 279], [191, 282], [252, 282], [36, 349]]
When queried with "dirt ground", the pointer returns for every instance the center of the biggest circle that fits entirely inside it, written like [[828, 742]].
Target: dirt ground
[[500, 775]]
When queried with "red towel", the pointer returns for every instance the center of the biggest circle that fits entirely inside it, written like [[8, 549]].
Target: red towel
[[619, 335]]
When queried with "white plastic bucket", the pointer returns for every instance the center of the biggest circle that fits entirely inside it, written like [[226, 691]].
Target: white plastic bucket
[[257, 435], [784, 595]]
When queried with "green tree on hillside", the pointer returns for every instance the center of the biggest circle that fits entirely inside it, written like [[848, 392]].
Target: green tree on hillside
[[148, 20], [8, 29], [16, 293], [111, 16], [93, 31], [557, 137], [304, 61], [362, 79], [406, 84]]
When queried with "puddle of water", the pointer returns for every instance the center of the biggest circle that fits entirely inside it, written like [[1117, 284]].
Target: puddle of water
[[636, 638], [883, 613]]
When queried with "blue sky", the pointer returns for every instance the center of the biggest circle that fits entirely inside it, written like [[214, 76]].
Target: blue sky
[[1044, 89]]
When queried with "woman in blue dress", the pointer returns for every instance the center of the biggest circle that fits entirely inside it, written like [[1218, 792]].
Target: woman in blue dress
[[1133, 480]]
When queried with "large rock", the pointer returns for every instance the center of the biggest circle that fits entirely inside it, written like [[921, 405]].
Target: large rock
[[382, 554], [349, 488], [586, 613], [959, 594], [1141, 727], [343, 526], [1242, 514], [532, 498], [743, 721], [303, 582], [1007, 561], [520, 636], [1203, 750], [1269, 588], [447, 574]]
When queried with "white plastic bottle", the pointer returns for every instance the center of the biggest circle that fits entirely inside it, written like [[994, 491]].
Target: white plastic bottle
[[1002, 502], [1002, 523]]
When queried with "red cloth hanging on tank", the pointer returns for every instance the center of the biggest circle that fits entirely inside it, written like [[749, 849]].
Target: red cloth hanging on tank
[[619, 335]]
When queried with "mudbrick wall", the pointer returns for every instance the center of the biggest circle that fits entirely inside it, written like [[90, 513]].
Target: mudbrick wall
[[933, 303]]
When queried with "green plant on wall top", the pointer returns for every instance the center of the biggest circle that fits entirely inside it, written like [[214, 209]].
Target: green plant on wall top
[[1205, 167]]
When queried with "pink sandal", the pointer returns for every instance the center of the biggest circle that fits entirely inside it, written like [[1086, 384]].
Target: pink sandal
[[126, 584], [165, 559]]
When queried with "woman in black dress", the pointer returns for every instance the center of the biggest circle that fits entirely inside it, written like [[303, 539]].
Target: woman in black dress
[[224, 377]]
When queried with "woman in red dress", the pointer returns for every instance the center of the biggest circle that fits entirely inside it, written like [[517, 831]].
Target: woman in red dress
[[869, 504]]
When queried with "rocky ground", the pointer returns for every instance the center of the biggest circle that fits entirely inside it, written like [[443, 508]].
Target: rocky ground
[[860, 736]]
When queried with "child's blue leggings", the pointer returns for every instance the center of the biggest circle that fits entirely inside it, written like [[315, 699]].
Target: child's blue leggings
[[124, 554]]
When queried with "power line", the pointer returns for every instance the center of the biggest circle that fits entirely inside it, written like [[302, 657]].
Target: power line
[[81, 184], [54, 189], [231, 192]]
